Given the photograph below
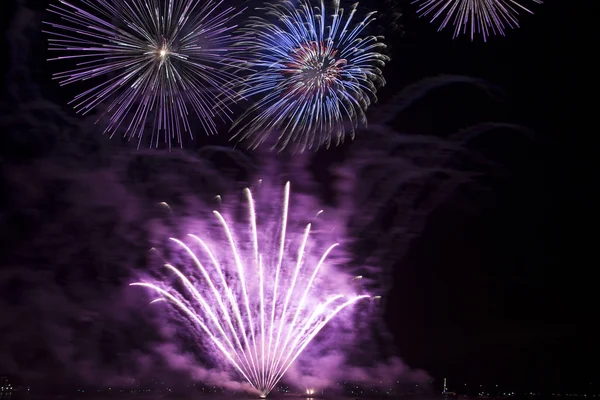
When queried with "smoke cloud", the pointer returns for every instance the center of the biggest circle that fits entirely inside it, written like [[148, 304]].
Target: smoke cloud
[[81, 211]]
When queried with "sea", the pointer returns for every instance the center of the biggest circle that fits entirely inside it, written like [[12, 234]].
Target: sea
[[198, 396], [239, 396]]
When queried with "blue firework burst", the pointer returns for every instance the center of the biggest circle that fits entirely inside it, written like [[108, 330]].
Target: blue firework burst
[[149, 63], [314, 74]]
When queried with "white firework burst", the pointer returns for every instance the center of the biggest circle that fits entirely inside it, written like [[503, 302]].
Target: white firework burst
[[482, 17], [154, 62]]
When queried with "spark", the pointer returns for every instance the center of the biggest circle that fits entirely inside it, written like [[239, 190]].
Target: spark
[[484, 17], [154, 62], [257, 304], [314, 75]]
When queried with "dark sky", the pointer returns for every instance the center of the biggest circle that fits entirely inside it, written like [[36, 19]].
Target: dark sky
[[499, 286], [506, 295]]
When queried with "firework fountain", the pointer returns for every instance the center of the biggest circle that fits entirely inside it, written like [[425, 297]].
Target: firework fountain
[[259, 301]]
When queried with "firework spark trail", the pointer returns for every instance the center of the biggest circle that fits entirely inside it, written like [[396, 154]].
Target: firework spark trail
[[194, 317], [161, 60], [314, 73], [479, 16], [261, 329], [297, 350]]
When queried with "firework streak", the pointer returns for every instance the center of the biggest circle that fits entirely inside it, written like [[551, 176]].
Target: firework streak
[[314, 74], [260, 309], [483, 17], [160, 59]]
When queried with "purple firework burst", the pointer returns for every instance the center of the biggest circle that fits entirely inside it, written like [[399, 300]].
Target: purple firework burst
[[260, 294], [314, 74], [484, 17], [155, 62]]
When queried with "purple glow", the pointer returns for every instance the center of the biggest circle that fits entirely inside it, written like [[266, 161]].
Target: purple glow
[[483, 17], [315, 73], [161, 60], [261, 297]]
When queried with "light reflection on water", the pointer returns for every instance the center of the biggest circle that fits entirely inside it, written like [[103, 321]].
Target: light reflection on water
[[141, 396]]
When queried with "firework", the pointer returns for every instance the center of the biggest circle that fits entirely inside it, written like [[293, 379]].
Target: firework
[[484, 17], [314, 74], [257, 299], [154, 62]]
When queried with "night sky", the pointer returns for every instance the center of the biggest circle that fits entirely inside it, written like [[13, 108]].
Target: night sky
[[495, 287]]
